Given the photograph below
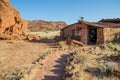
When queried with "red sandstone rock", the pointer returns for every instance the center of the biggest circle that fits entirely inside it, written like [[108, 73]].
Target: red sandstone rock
[[33, 37], [10, 21], [38, 25]]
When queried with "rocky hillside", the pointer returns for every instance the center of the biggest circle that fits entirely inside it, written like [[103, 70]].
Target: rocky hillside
[[11, 24], [38, 25]]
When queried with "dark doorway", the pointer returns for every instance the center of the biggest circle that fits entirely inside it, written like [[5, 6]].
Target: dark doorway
[[92, 35]]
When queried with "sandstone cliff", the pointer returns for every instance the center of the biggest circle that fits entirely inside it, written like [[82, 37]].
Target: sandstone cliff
[[11, 24], [38, 25]]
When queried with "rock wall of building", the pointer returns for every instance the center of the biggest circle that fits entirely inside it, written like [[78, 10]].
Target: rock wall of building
[[69, 31], [100, 35], [84, 35], [111, 34]]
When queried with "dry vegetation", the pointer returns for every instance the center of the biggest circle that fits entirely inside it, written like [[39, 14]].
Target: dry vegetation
[[19, 60], [46, 34], [97, 63]]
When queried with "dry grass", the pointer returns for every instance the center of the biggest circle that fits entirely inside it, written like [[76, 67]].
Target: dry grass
[[63, 45], [46, 34], [16, 58], [92, 64], [19, 59]]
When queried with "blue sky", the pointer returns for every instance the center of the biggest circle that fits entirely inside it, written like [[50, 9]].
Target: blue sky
[[69, 11]]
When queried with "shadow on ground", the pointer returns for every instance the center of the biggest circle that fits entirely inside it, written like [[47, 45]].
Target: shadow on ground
[[49, 42], [59, 69], [44, 40], [97, 72]]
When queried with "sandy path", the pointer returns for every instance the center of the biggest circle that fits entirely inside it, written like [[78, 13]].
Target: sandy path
[[53, 67]]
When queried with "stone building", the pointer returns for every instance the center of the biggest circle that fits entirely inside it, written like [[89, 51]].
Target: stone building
[[106, 30]]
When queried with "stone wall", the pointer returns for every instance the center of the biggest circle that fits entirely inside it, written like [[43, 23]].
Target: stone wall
[[84, 33], [104, 34], [100, 36], [111, 34], [69, 30]]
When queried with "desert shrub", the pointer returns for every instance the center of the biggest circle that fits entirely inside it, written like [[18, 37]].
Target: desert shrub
[[46, 34], [109, 66], [42, 56], [75, 65], [110, 45], [63, 45], [79, 58], [93, 63], [13, 73], [114, 46]]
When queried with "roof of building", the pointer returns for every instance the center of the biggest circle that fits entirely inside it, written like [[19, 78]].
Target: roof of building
[[104, 23], [115, 20], [69, 26]]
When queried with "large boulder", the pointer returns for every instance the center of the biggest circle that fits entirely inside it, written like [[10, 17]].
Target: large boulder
[[10, 21]]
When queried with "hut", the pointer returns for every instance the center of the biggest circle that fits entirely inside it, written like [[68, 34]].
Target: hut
[[105, 30]]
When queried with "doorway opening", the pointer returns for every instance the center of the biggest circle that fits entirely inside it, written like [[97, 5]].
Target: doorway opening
[[92, 35]]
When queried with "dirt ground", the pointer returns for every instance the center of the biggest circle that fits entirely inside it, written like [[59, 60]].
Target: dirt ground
[[53, 67], [44, 60], [14, 53], [24, 53]]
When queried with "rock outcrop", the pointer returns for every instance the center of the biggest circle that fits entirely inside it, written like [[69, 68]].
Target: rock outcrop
[[38, 25], [11, 24], [31, 37]]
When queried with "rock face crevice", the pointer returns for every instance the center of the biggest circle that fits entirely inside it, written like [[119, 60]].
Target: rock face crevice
[[4, 2], [11, 22]]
